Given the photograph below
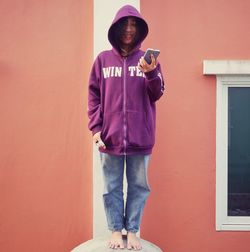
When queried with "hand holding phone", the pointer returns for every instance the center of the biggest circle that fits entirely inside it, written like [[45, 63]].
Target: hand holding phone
[[147, 55]]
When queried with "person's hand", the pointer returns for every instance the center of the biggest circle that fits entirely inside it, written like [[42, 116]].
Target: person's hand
[[98, 141], [144, 66]]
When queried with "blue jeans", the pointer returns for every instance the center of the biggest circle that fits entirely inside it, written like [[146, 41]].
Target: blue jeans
[[137, 193]]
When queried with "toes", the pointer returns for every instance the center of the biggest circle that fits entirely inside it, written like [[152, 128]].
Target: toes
[[134, 247], [115, 245], [112, 245], [129, 247], [139, 247]]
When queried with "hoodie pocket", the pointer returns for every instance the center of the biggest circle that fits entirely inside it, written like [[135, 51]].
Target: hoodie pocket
[[140, 130], [112, 129]]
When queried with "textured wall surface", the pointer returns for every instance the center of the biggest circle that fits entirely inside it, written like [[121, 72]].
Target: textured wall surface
[[180, 213], [45, 148]]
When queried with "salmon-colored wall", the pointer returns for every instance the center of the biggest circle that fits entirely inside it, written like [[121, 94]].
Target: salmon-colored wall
[[180, 213], [45, 147]]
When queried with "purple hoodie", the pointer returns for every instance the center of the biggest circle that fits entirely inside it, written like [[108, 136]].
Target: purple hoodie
[[121, 102]]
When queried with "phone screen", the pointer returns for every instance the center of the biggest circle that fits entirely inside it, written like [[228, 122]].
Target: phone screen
[[147, 55]]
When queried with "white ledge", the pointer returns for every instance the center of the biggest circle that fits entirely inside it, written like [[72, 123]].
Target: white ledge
[[100, 245], [216, 67]]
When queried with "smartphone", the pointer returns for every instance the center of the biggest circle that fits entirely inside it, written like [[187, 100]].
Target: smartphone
[[147, 55]]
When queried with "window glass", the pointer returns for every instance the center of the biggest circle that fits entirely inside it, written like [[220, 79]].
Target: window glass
[[239, 151]]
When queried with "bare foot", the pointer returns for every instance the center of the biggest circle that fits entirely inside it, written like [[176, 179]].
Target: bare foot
[[133, 242], [116, 241]]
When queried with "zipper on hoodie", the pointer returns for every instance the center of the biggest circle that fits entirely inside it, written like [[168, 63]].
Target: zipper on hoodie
[[124, 107]]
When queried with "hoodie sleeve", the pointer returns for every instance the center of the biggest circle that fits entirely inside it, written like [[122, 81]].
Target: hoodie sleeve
[[155, 83], [94, 99]]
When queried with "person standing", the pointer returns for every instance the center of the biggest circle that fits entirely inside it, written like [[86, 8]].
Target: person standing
[[123, 90]]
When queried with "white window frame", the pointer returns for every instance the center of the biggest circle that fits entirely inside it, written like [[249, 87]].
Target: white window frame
[[229, 73]]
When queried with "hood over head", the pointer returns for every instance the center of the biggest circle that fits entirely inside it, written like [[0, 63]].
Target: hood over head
[[115, 28]]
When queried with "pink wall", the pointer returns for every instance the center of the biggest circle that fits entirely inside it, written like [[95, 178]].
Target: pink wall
[[180, 214], [45, 148]]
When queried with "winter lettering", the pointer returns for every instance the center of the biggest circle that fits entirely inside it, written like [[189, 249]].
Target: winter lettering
[[114, 71], [132, 70], [135, 71]]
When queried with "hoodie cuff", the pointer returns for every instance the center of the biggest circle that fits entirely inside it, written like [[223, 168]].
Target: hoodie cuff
[[152, 74], [96, 129]]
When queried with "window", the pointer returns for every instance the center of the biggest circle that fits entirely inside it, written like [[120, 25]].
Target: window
[[232, 143]]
